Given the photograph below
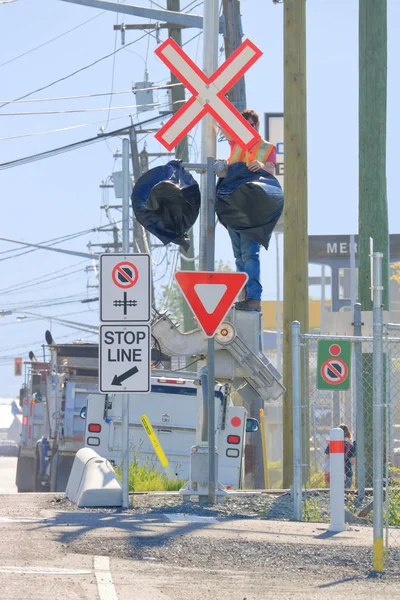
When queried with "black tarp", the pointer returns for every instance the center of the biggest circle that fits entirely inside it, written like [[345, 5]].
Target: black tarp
[[166, 201], [250, 203]]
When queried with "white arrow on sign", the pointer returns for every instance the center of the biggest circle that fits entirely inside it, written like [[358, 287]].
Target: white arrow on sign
[[208, 94]]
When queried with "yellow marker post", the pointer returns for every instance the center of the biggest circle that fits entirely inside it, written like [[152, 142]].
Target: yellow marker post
[[157, 446], [264, 446]]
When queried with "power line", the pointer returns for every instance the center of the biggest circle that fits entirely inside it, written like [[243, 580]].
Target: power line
[[83, 96], [75, 110], [45, 87], [70, 128], [74, 146], [7, 62], [52, 242]]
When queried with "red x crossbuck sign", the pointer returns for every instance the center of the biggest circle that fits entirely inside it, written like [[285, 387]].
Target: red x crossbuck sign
[[208, 94]]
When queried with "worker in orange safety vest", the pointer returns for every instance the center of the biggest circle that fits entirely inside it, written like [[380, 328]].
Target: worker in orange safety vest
[[262, 155]]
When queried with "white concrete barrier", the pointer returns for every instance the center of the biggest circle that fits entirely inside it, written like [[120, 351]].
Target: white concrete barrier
[[93, 482]]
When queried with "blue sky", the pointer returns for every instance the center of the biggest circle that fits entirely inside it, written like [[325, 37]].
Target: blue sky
[[60, 196]]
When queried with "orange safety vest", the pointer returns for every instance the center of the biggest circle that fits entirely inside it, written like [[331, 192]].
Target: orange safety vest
[[261, 150]]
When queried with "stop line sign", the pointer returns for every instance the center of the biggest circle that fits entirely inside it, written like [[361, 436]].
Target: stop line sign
[[208, 94]]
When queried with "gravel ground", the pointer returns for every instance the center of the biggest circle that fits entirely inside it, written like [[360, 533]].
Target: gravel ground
[[263, 506], [241, 554], [205, 553]]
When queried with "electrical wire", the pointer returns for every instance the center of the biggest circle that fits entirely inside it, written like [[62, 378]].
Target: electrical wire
[[75, 110], [45, 87], [34, 133], [112, 76], [74, 146], [84, 96], [7, 62]]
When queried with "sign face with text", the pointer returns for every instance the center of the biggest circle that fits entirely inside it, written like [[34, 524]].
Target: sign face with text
[[125, 288], [124, 358], [208, 94]]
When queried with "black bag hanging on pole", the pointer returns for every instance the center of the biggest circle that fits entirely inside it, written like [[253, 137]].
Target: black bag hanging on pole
[[166, 201], [250, 203]]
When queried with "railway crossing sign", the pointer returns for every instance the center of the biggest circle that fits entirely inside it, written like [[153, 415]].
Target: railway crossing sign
[[334, 362], [210, 295], [124, 358], [125, 288], [208, 94]]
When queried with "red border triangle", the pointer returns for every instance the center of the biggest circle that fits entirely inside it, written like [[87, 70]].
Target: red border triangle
[[187, 280]]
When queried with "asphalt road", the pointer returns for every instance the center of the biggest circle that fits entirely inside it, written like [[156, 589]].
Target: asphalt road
[[48, 550], [8, 466]]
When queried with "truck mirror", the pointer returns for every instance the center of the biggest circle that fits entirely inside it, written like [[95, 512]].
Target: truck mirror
[[252, 425], [83, 413]]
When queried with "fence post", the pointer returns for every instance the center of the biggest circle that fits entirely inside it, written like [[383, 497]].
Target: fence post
[[378, 403], [360, 468], [296, 403], [336, 468]]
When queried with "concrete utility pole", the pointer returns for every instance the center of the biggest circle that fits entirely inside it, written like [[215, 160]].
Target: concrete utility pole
[[182, 153], [372, 206], [232, 40], [295, 213]]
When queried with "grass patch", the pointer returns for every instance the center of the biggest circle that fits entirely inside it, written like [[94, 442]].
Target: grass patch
[[145, 478]]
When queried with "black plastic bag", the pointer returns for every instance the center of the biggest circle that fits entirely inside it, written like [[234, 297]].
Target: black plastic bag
[[166, 201], [249, 203]]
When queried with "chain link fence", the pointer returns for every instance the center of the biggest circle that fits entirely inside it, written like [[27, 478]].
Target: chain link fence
[[319, 410]]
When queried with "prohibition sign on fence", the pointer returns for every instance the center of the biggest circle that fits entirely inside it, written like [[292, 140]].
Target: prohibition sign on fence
[[125, 275], [208, 94], [334, 371]]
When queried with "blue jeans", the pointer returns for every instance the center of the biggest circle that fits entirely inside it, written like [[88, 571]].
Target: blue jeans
[[247, 258]]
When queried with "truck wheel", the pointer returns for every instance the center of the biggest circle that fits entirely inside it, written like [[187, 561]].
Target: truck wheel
[[63, 465], [23, 479]]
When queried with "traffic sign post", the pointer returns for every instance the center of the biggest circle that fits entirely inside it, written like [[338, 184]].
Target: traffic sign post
[[125, 311], [210, 295], [334, 363], [208, 100]]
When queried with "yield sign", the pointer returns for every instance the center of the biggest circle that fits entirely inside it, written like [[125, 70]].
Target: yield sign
[[210, 295], [208, 94]]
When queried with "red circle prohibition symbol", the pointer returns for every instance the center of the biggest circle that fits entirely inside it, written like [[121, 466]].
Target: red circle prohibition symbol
[[334, 371], [125, 275]]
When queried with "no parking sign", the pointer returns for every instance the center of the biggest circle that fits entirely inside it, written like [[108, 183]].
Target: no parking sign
[[334, 360]]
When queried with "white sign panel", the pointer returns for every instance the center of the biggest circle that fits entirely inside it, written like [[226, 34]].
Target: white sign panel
[[274, 134], [125, 288], [124, 358]]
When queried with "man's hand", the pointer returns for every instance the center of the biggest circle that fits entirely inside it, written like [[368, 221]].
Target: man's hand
[[256, 165]]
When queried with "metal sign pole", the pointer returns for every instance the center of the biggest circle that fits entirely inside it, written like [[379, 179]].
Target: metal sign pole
[[211, 349], [207, 215], [125, 397]]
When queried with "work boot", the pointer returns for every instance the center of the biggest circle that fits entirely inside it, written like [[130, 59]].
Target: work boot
[[249, 304]]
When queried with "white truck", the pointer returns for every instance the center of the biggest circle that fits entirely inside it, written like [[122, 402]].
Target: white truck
[[172, 409], [52, 428]]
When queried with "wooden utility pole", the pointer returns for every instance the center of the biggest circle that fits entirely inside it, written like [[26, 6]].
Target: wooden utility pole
[[232, 40], [182, 153], [295, 212], [372, 205]]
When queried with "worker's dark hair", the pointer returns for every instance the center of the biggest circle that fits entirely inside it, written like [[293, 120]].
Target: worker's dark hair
[[346, 431], [249, 113]]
